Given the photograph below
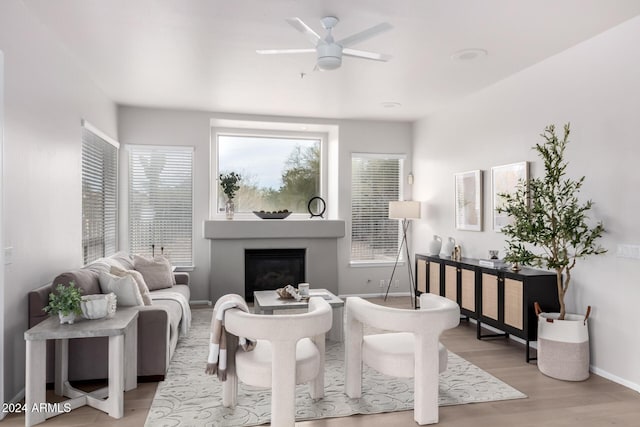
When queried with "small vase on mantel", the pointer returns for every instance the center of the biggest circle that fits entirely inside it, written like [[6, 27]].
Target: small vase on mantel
[[229, 209]]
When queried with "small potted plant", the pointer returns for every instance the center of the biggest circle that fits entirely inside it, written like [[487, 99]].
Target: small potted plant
[[551, 229], [65, 301], [229, 183]]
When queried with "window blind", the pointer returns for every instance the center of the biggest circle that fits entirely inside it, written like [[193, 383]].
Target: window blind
[[375, 181], [161, 202], [99, 195]]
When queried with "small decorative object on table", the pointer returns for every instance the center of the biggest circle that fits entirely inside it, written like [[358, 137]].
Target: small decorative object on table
[[320, 208], [493, 254], [447, 248], [289, 292], [98, 306], [273, 215], [303, 289], [456, 255], [229, 183], [65, 300], [435, 245]]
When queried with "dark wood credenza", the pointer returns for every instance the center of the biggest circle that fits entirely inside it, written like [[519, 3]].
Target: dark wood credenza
[[499, 297]]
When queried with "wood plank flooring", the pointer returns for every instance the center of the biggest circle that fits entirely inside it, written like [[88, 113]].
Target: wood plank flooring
[[551, 403]]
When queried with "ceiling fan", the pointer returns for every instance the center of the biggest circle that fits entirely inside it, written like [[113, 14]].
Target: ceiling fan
[[329, 52]]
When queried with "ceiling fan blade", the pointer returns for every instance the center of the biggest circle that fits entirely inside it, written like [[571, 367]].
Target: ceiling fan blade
[[299, 25], [366, 55], [364, 35], [279, 51]]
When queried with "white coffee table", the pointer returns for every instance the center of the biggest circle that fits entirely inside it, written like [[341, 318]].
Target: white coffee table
[[265, 302], [122, 330]]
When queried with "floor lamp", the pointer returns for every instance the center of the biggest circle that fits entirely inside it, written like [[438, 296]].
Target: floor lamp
[[404, 210]]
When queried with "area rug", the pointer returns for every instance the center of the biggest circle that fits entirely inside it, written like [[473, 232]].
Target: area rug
[[188, 397]]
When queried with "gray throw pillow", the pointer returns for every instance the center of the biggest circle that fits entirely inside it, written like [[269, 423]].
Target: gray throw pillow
[[156, 271]]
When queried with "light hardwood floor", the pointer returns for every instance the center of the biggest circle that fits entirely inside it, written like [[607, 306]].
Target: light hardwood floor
[[593, 403]]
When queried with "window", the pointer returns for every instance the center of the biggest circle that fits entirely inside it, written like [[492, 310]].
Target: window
[[278, 173], [375, 181], [161, 202], [99, 194]]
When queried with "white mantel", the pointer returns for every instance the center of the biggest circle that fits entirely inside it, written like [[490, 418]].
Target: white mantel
[[230, 238], [274, 229]]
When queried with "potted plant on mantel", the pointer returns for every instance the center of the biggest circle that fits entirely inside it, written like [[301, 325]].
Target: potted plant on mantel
[[229, 183], [551, 229], [65, 301]]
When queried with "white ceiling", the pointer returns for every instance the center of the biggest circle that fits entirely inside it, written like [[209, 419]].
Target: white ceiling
[[200, 54]]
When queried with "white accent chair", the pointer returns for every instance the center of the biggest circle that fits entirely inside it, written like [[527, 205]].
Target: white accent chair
[[411, 350], [295, 341]]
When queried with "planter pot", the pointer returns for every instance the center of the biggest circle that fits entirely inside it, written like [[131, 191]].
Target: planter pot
[[69, 318], [563, 346]]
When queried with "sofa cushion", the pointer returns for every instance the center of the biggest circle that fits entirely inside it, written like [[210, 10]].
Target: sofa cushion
[[156, 271], [85, 279], [125, 288], [137, 276]]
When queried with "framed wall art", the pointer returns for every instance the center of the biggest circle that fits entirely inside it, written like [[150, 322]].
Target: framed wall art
[[504, 180], [468, 200]]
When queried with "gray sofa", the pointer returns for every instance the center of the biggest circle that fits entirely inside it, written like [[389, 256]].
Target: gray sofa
[[158, 324]]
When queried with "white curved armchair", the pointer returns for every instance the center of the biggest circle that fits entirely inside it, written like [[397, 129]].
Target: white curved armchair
[[292, 340], [411, 350]]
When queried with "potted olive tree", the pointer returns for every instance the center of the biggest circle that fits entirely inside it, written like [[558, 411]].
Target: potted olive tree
[[551, 229], [65, 301], [229, 183]]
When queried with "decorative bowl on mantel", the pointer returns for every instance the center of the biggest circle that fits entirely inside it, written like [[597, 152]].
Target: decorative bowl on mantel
[[272, 215]]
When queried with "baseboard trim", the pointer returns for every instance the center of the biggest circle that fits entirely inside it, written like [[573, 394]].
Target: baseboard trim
[[616, 379], [201, 302]]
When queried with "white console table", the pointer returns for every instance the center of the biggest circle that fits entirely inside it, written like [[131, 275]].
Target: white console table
[[122, 330]]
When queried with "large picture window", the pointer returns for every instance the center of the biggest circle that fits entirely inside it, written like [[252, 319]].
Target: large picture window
[[161, 202], [99, 194], [277, 173], [375, 181]]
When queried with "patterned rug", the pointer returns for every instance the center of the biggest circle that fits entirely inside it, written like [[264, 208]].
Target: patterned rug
[[188, 397]]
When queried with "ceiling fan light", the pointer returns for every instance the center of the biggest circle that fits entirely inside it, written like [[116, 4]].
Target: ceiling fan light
[[329, 56], [329, 62]]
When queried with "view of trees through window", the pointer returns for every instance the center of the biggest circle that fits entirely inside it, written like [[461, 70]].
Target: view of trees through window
[[277, 173]]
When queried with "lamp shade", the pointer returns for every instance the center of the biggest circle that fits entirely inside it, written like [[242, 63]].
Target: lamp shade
[[404, 210]]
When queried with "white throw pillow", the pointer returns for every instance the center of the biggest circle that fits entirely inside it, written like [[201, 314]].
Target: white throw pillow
[[137, 276], [125, 288], [156, 271]]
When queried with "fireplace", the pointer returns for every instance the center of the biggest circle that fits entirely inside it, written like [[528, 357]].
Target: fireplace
[[268, 269]]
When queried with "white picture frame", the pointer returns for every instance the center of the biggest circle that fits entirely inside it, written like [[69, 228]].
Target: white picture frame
[[468, 200], [505, 179]]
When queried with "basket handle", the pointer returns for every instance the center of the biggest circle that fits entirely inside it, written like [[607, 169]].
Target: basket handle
[[586, 316], [537, 308]]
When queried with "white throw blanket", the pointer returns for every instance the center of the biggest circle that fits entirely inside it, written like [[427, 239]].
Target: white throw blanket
[[185, 322], [217, 360]]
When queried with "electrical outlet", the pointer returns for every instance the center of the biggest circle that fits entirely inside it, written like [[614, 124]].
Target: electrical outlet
[[396, 283], [382, 283]]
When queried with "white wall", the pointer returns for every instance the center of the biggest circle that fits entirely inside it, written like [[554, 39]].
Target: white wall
[[46, 95], [595, 86], [2, 399], [172, 127]]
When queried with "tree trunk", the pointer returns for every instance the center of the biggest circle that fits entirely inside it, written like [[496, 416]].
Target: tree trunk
[[560, 293]]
